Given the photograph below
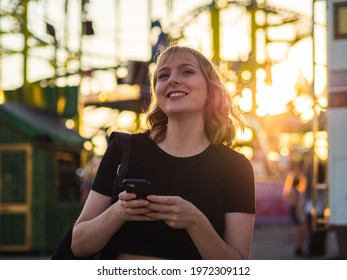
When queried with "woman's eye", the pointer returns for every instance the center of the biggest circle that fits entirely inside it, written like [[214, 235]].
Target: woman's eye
[[187, 72], [163, 76]]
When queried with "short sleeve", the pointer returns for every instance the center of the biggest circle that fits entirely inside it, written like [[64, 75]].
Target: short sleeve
[[107, 171], [240, 192]]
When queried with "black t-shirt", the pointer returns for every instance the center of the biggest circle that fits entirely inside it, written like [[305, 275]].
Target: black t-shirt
[[217, 181]]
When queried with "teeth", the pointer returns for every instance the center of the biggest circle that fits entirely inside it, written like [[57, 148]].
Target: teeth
[[177, 94]]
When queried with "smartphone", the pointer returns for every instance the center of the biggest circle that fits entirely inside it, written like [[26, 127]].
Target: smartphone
[[140, 187]]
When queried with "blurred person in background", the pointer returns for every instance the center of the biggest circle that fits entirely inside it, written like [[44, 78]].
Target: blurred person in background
[[294, 192]]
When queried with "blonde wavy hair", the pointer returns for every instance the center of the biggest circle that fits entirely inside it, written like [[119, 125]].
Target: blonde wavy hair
[[220, 115]]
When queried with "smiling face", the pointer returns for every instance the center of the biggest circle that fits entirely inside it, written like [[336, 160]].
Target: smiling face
[[185, 82], [180, 87]]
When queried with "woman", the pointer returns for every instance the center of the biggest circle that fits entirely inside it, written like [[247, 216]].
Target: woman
[[294, 192], [204, 203]]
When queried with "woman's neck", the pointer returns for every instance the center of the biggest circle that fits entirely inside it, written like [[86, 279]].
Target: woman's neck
[[185, 139]]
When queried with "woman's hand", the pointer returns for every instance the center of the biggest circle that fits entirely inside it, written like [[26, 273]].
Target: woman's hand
[[174, 210], [129, 208]]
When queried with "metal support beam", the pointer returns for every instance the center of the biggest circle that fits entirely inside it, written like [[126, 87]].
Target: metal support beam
[[215, 25]]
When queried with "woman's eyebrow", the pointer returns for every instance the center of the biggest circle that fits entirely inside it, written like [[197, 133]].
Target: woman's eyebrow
[[165, 68], [185, 65]]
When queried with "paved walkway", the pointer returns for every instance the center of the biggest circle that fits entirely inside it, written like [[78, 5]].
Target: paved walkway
[[272, 234], [274, 242], [270, 242]]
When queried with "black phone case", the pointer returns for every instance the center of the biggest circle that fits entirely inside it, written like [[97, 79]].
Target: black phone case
[[140, 187]]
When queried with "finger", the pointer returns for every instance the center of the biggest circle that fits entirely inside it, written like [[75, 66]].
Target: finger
[[140, 214], [126, 196], [137, 211], [135, 203], [157, 215], [160, 208], [136, 214], [168, 200]]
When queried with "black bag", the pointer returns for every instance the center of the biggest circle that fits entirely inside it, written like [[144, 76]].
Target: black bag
[[63, 250]]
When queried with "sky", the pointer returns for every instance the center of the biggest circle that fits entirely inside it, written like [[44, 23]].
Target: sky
[[122, 33]]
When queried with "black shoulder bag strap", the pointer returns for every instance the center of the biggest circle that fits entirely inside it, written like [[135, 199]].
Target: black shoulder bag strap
[[122, 168]]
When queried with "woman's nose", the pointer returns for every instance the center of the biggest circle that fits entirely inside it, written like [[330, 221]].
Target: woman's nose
[[173, 81]]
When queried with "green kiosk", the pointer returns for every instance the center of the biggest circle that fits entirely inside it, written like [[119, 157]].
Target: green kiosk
[[39, 187]]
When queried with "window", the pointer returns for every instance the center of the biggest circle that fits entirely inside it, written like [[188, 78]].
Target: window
[[340, 20]]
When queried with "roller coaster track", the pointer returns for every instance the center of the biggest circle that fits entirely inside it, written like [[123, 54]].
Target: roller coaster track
[[302, 23]]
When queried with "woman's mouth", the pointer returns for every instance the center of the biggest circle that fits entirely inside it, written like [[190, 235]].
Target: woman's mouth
[[176, 94]]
